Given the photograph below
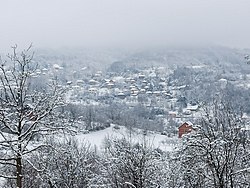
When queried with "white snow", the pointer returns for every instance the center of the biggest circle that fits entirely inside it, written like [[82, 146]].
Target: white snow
[[155, 139]]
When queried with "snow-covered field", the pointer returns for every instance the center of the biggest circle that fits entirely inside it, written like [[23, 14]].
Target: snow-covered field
[[154, 139]]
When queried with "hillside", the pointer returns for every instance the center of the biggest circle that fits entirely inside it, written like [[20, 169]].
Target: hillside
[[96, 139]]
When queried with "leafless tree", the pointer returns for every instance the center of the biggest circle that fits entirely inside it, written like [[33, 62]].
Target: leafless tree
[[128, 164], [216, 153], [68, 164], [24, 113]]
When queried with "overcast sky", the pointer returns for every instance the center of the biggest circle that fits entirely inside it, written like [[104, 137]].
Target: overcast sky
[[107, 23]]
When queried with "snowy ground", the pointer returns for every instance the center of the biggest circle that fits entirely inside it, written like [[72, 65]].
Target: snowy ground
[[96, 139], [155, 139]]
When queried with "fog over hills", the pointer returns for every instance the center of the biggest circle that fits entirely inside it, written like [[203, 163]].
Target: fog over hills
[[109, 59], [125, 93]]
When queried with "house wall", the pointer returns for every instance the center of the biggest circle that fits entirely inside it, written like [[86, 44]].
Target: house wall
[[184, 129]]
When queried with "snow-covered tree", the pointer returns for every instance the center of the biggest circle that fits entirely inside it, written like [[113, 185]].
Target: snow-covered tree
[[25, 113], [216, 153], [67, 163], [129, 164]]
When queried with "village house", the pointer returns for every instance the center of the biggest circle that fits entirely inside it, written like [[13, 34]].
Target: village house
[[185, 128]]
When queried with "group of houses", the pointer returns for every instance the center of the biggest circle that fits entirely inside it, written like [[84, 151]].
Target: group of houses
[[149, 87]]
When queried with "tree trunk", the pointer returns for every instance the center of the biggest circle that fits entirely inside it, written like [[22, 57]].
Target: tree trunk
[[19, 175]]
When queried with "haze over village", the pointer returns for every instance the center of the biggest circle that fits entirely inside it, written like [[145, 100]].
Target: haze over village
[[124, 94]]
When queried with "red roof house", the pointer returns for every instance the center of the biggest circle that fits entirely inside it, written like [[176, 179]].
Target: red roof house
[[185, 128]]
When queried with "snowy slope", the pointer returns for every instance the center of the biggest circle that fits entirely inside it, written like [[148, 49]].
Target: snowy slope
[[155, 139]]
